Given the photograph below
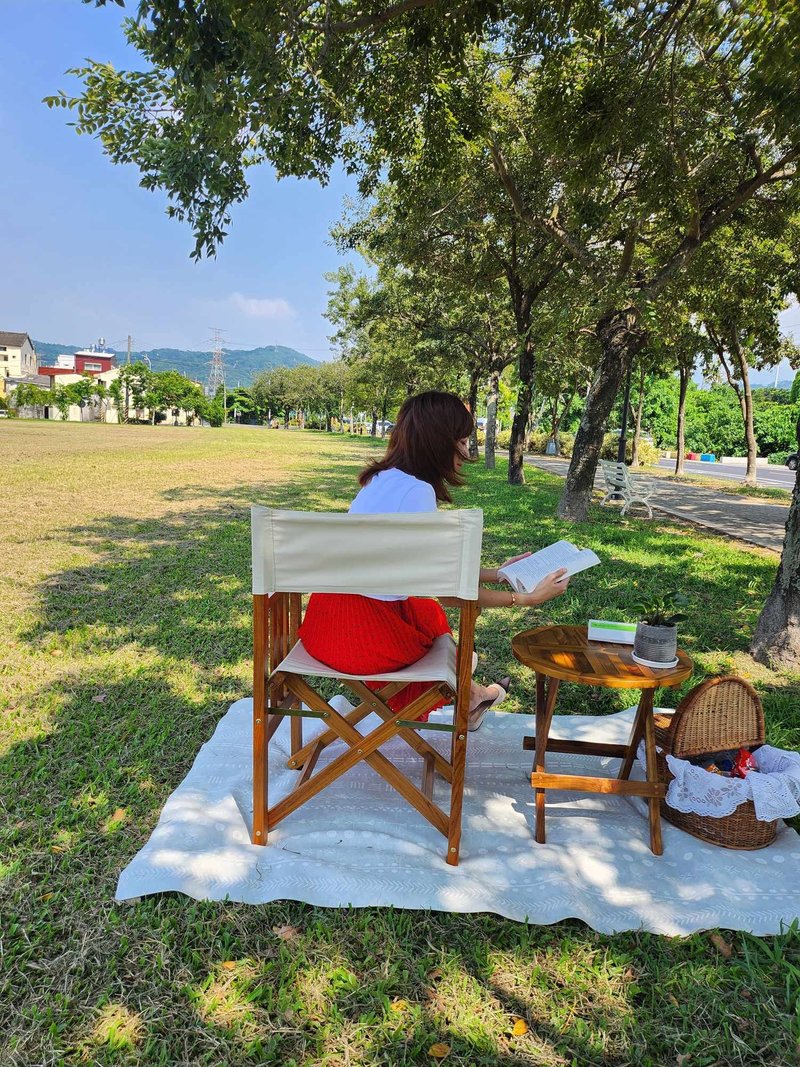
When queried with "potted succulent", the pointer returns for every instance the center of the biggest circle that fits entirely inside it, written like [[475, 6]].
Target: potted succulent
[[656, 638]]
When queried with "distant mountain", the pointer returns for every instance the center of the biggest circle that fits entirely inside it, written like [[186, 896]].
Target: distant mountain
[[240, 366], [784, 383]]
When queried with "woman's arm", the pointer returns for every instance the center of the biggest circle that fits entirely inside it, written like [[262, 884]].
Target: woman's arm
[[551, 586]]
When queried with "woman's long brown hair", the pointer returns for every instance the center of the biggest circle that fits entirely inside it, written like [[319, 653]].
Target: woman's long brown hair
[[424, 440]]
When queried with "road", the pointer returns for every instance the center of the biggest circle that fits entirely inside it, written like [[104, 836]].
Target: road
[[768, 476]]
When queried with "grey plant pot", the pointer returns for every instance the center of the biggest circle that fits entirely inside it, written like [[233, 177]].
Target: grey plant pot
[[656, 643]]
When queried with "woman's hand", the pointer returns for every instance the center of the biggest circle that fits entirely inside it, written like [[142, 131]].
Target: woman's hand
[[552, 585], [492, 575], [513, 559]]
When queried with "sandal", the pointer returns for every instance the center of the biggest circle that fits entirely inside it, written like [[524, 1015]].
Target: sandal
[[478, 713]]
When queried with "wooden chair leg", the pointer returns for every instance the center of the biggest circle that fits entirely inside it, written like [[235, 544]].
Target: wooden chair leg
[[466, 644], [296, 734], [260, 739], [310, 764], [428, 774]]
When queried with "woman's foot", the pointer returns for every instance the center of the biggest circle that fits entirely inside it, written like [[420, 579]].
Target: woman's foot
[[499, 692]]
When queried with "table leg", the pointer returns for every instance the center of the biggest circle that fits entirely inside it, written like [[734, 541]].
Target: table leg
[[644, 709], [656, 844], [546, 693]]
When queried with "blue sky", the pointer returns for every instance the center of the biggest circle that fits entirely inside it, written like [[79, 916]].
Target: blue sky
[[87, 253]]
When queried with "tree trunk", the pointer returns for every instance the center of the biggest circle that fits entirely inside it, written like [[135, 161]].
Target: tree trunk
[[746, 403], [491, 420], [637, 433], [384, 406], [472, 403], [620, 339], [373, 431], [527, 363], [556, 420], [328, 426], [776, 641], [681, 431]]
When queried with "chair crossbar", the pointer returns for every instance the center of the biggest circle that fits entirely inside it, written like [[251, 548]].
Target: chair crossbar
[[373, 702], [406, 728], [445, 727], [369, 704], [303, 713], [360, 748]]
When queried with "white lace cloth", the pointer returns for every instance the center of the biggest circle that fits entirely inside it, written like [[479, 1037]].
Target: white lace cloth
[[774, 788]]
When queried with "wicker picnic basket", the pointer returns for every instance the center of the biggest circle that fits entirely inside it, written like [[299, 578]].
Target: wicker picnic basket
[[718, 714]]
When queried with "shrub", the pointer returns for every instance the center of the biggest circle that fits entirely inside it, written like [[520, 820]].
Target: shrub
[[648, 454], [778, 458], [503, 439]]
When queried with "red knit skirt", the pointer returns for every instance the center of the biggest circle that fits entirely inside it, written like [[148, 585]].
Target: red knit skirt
[[357, 635]]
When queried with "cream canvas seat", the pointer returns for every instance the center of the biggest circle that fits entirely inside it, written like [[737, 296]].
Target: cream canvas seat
[[294, 553]]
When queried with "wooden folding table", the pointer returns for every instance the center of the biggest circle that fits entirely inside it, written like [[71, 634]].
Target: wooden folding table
[[564, 653]]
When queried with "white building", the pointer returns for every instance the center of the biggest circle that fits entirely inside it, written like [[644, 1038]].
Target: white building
[[17, 355]]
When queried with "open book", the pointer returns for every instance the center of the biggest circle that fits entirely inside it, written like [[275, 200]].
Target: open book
[[525, 574]]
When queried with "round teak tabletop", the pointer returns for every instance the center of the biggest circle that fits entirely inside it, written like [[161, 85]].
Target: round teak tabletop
[[566, 653]]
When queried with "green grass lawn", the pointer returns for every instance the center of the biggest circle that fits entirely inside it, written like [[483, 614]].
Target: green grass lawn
[[125, 591]]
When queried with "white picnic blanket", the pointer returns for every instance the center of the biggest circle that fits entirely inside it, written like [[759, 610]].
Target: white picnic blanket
[[359, 844]]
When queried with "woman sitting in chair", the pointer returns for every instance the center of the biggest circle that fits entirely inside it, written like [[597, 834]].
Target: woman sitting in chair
[[369, 634]]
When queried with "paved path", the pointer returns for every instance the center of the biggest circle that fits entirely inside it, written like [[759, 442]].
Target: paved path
[[750, 520]]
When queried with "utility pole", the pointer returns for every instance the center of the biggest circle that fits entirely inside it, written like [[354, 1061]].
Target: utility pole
[[126, 412], [216, 376], [626, 404]]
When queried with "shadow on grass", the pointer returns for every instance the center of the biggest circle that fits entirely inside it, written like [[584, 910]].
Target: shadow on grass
[[160, 628]]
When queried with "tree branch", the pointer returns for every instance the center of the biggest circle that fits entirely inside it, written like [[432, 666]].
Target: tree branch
[[628, 250], [550, 225], [364, 22], [713, 217]]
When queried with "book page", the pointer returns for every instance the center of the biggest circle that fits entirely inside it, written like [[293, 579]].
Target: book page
[[525, 574]]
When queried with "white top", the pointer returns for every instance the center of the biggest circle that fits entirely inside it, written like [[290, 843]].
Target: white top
[[391, 491]]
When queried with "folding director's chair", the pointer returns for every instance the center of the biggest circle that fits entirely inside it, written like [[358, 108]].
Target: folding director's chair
[[429, 554]]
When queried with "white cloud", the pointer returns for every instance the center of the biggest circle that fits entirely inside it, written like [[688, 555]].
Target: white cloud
[[262, 307]]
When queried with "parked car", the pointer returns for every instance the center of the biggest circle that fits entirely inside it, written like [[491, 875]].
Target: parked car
[[792, 460]]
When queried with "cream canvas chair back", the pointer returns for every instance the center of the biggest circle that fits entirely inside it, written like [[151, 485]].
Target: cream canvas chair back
[[422, 554], [428, 554]]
